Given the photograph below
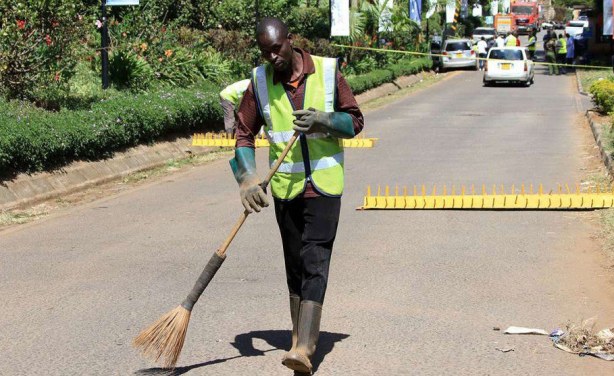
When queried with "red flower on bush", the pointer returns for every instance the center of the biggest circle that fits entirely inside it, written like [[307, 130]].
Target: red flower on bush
[[21, 24], [57, 76], [48, 40]]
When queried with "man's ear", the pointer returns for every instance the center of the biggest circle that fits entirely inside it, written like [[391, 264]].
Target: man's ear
[[290, 38]]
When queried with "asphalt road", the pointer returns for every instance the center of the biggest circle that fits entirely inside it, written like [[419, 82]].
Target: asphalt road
[[411, 292]]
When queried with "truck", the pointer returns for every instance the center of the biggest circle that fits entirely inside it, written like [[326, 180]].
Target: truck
[[505, 23], [526, 16]]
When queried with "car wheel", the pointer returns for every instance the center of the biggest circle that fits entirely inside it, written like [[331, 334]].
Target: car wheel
[[486, 83]]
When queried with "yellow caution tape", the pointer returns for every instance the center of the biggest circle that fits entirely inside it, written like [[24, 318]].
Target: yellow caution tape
[[475, 57], [223, 140], [419, 200]]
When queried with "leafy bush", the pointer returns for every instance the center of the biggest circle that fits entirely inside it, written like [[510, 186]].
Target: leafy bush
[[603, 95], [34, 140], [38, 41]]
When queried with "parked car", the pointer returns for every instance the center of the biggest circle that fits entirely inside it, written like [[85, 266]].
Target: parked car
[[508, 64], [457, 53], [547, 25], [575, 27], [486, 32], [558, 25]]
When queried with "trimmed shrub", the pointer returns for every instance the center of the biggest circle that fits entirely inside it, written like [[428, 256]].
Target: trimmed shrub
[[603, 95], [33, 140], [364, 82]]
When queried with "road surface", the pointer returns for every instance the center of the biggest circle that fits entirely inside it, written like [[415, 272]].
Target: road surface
[[411, 292]]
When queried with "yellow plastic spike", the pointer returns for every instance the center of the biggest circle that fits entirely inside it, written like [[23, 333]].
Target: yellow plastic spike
[[522, 189], [387, 191], [369, 191], [463, 191], [541, 189], [379, 190], [513, 189], [434, 193], [415, 190], [484, 189], [445, 191], [423, 190]]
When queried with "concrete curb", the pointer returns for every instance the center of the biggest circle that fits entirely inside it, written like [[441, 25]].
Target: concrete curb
[[25, 190], [579, 83], [597, 131]]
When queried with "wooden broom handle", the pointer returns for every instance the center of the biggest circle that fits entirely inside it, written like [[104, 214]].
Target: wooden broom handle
[[222, 250]]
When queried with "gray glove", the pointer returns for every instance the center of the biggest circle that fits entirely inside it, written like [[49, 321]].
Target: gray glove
[[338, 124], [311, 121]]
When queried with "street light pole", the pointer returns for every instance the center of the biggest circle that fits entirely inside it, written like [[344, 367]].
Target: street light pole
[[104, 53]]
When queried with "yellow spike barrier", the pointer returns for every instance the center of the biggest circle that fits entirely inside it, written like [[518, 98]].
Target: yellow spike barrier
[[213, 139], [597, 198]]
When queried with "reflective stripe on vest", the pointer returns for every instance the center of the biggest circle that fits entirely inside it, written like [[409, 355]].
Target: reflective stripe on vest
[[325, 152], [234, 92]]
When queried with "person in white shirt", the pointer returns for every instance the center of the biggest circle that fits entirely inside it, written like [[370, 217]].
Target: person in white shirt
[[482, 52], [500, 41]]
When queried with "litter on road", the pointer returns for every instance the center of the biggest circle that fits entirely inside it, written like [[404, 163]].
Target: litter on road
[[521, 330]]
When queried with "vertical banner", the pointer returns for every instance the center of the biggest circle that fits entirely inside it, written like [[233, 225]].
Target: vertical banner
[[339, 18], [494, 7], [607, 17], [385, 17], [415, 10], [506, 6], [464, 8], [477, 10], [450, 9], [432, 8]]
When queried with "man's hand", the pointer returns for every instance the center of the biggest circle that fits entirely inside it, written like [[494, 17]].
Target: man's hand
[[311, 121], [252, 195]]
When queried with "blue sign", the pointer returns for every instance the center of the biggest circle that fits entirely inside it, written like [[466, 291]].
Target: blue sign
[[489, 20], [122, 2]]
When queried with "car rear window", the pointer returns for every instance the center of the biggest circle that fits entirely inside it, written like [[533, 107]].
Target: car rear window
[[576, 24], [505, 55], [455, 46]]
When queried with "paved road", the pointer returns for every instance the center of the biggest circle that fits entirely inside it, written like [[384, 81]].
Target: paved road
[[411, 293]]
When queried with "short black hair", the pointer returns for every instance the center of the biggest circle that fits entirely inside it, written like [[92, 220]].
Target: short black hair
[[271, 22]]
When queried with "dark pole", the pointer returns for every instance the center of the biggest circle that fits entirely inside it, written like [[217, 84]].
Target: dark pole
[[105, 44]]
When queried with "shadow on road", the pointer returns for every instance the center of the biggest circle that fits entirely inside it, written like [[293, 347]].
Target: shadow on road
[[278, 339]]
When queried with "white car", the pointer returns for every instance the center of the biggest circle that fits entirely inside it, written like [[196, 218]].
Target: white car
[[508, 64], [547, 25], [575, 27], [458, 53], [486, 32]]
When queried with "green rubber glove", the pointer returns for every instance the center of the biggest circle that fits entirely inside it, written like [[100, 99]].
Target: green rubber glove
[[338, 124], [243, 167]]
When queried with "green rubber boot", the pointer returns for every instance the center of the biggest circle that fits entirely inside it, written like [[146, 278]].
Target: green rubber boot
[[299, 357]]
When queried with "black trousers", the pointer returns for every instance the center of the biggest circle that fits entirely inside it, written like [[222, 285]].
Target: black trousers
[[308, 227]]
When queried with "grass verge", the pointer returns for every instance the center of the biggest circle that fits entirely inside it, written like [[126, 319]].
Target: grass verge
[[587, 77]]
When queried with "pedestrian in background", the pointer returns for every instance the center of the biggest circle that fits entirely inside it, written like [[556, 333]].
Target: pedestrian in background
[[561, 52], [511, 40], [500, 41], [569, 57], [532, 45], [515, 34], [482, 52], [491, 43], [230, 99], [550, 49]]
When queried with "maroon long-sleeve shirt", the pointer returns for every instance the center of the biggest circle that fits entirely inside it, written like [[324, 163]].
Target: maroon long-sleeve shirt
[[250, 119]]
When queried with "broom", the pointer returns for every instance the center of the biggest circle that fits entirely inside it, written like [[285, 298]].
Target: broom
[[163, 340]]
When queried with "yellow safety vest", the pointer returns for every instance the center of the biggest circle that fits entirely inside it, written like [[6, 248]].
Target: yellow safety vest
[[532, 47], [563, 48], [511, 41], [234, 92], [317, 157]]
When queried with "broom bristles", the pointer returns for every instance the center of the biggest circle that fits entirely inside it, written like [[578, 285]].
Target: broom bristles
[[162, 341]]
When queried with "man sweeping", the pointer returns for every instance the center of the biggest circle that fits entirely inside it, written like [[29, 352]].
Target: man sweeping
[[296, 91]]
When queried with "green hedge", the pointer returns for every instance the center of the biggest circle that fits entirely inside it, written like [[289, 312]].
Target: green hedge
[[364, 82], [603, 95], [34, 140]]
